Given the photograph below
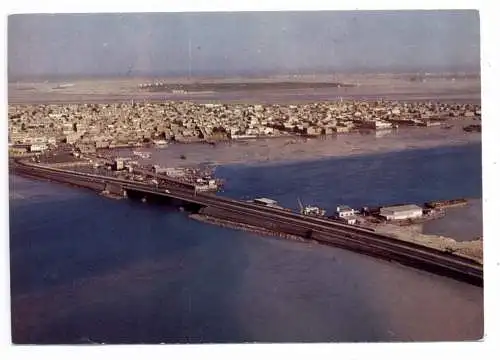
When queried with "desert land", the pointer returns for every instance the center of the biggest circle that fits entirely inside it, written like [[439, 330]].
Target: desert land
[[452, 87]]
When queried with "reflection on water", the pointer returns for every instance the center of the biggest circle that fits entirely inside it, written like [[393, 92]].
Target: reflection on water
[[384, 132], [88, 269]]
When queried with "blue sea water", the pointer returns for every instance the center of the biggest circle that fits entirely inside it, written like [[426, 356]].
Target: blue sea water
[[412, 176], [88, 269]]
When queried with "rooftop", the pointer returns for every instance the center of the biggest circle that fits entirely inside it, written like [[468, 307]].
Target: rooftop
[[410, 207], [344, 208], [266, 200]]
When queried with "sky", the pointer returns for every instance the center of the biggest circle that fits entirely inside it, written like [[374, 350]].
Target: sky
[[242, 43]]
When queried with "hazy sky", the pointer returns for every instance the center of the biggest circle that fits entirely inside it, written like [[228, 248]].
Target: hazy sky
[[232, 43]]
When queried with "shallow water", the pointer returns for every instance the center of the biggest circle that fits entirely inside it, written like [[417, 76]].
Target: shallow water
[[460, 223]]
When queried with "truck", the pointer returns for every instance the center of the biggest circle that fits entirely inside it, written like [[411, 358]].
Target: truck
[[310, 210]]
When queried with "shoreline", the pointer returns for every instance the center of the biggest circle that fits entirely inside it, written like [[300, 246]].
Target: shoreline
[[268, 163], [286, 150], [471, 249], [212, 220]]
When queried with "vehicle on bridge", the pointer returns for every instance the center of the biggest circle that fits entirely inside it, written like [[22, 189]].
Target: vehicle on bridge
[[266, 202], [310, 210]]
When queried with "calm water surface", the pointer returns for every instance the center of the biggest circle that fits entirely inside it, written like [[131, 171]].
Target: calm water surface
[[88, 269]]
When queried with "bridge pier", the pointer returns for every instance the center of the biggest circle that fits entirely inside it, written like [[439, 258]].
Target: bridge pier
[[114, 189]]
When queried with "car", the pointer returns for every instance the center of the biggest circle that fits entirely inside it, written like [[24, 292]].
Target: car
[[167, 191]]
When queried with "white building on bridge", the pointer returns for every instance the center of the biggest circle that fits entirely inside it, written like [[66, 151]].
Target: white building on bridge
[[345, 214]]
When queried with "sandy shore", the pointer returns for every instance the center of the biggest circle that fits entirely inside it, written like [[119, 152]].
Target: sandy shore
[[470, 249], [272, 151]]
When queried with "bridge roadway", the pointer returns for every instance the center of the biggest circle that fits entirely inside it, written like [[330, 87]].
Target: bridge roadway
[[319, 229]]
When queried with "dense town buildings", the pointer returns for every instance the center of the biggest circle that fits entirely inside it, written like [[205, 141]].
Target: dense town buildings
[[96, 126]]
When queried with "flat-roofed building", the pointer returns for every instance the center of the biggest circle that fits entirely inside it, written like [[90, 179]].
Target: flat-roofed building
[[401, 212], [38, 147], [119, 164], [18, 150], [344, 211], [72, 138]]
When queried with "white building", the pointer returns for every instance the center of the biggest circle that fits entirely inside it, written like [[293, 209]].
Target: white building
[[119, 164], [378, 124], [172, 172], [38, 147], [382, 125], [401, 212], [344, 211], [345, 214]]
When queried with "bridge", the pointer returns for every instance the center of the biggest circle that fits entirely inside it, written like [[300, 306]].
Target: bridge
[[320, 230]]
